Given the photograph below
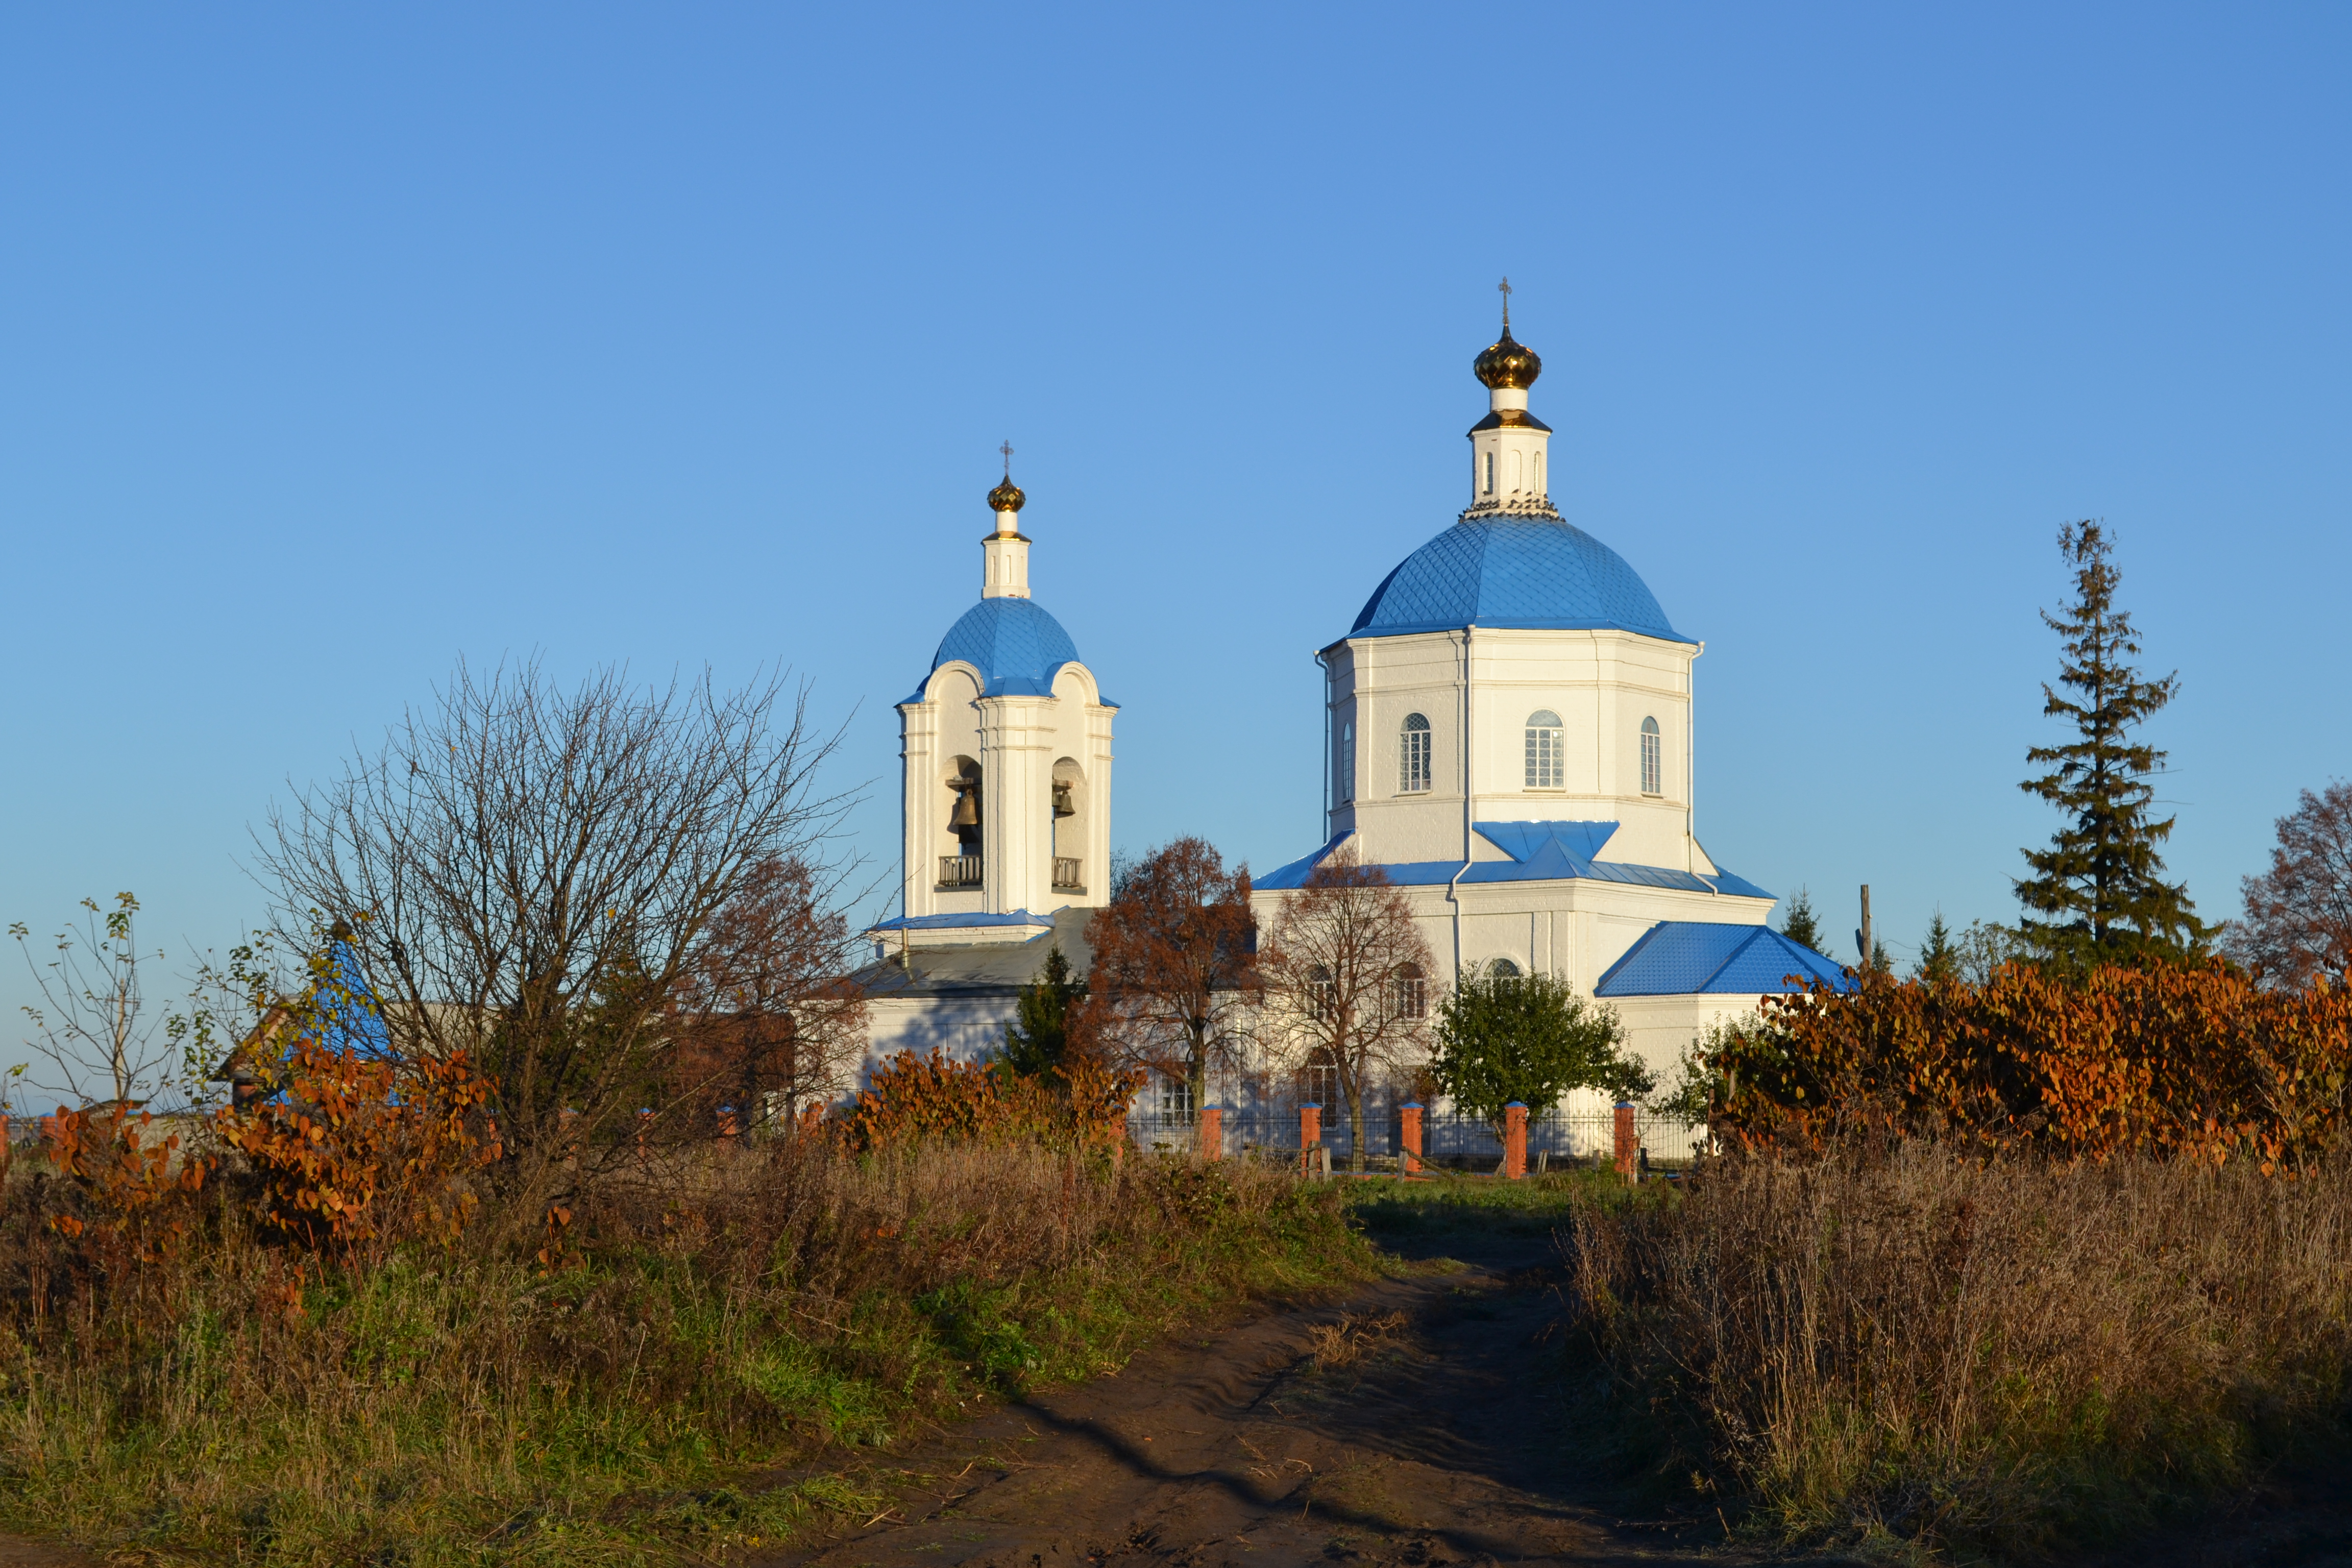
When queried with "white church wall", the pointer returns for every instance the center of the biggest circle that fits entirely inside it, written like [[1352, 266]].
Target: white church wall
[[967, 1029]]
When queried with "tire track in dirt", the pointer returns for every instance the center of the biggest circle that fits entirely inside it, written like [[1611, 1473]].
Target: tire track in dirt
[[1415, 1423]]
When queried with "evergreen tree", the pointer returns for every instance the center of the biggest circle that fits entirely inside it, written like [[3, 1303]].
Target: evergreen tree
[[2098, 893], [1800, 925], [1939, 956], [1038, 1039]]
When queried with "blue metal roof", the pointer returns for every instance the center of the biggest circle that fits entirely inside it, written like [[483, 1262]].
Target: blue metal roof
[[1514, 572], [1539, 852], [1684, 958], [956, 922], [1015, 643]]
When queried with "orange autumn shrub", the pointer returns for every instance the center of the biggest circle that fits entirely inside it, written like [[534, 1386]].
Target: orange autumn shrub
[[360, 1153], [913, 1098], [124, 1177], [2199, 1063]]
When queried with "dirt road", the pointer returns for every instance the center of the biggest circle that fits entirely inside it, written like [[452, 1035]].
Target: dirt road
[[1414, 1423]]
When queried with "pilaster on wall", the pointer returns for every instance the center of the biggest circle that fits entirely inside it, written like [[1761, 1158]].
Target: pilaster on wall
[[1098, 759], [918, 766], [1016, 742]]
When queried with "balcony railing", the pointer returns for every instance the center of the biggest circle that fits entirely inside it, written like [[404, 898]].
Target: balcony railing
[[960, 870], [1066, 875]]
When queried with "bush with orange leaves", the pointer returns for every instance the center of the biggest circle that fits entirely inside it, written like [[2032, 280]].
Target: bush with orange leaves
[[359, 1154], [125, 1180], [2187, 1062], [913, 1098]]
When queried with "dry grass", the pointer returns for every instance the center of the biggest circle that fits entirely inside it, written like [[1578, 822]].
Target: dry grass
[[1350, 1339], [2018, 1358], [743, 1314]]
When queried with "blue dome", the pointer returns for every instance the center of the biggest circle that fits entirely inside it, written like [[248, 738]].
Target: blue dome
[[1013, 643], [1517, 572]]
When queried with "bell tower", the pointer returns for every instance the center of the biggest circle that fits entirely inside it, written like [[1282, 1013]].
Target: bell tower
[[1005, 750]]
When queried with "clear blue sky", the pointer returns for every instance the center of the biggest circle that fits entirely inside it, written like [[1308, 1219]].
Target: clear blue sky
[[336, 342]]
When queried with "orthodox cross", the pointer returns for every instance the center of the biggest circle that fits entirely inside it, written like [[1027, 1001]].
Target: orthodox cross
[[1007, 450], [1506, 286]]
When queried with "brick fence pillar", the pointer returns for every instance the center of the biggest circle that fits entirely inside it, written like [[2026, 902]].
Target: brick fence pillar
[[727, 1125], [1409, 1135], [1310, 1133], [1629, 1141], [1515, 1142], [1213, 1133]]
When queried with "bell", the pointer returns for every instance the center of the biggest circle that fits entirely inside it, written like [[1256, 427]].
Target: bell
[[1061, 806], [966, 809]]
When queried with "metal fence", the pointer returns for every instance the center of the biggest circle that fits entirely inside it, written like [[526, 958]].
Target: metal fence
[[1459, 1142]]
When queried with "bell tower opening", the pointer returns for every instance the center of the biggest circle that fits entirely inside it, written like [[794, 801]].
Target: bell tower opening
[[961, 863]]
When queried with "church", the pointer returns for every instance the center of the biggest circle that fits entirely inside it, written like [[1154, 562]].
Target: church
[[1510, 740]]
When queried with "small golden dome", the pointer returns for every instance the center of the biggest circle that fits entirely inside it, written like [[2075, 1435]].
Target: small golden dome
[[1006, 496], [1509, 362]]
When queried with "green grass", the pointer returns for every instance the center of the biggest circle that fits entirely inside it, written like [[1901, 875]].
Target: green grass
[[1398, 1212], [697, 1386]]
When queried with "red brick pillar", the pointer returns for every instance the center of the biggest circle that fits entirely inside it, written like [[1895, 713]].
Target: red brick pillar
[[1310, 1133], [645, 1124], [1629, 1141], [1213, 1133], [1515, 1142], [727, 1125], [1409, 1135]]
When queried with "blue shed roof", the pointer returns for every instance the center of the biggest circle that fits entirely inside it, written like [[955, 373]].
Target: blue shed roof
[[1539, 852], [1682, 958], [1515, 572], [1016, 644]]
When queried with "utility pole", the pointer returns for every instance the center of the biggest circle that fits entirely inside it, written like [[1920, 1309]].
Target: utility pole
[[1862, 937]]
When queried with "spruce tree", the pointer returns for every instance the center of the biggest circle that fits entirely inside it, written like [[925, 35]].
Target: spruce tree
[[2098, 893], [1939, 956], [1037, 1037], [1800, 925]]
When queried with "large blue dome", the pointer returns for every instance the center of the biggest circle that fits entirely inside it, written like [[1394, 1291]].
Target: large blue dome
[[1516, 572], [1013, 643]]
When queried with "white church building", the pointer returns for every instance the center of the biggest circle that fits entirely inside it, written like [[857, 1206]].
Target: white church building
[[1511, 736]]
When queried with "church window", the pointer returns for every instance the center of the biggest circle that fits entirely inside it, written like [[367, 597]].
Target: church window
[[1651, 770], [1537, 461], [1412, 755], [1546, 767], [1175, 1099], [1490, 473], [1412, 992], [1322, 995], [1347, 760], [1501, 969], [1515, 472]]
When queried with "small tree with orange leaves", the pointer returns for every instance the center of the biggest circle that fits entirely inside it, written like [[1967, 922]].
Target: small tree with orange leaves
[[1174, 972]]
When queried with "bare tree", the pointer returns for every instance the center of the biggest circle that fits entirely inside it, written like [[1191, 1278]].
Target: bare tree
[[771, 1018], [2298, 922], [91, 1027], [1346, 974], [1173, 971], [535, 877]]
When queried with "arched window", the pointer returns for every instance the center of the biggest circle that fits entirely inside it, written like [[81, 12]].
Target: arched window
[[1347, 761], [1412, 992], [1538, 486], [1501, 969], [1412, 755], [1320, 994], [1490, 473], [1651, 769], [1516, 486], [1546, 768]]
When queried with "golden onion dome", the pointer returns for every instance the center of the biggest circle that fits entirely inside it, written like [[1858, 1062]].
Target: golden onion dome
[[1006, 496], [1509, 362]]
